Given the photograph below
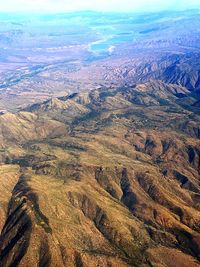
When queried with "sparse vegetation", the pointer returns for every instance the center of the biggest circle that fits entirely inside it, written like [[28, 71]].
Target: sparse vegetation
[[115, 188]]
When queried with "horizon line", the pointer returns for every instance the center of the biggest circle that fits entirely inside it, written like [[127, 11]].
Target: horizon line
[[95, 11]]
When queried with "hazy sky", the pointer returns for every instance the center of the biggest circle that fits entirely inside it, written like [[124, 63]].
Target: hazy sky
[[99, 5]]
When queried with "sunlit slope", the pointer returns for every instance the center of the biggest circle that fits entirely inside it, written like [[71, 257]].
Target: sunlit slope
[[111, 178]]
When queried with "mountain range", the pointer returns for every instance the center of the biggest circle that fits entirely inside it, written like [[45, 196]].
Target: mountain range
[[100, 139], [107, 177]]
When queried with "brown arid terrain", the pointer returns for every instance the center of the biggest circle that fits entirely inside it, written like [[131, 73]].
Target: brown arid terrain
[[108, 177], [46, 56], [178, 67]]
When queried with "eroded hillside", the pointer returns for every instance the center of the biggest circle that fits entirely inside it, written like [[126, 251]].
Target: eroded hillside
[[108, 177]]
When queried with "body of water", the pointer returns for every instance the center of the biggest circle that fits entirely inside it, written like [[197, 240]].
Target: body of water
[[107, 44]]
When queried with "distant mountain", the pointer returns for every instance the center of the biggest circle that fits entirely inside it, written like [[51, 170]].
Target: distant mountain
[[180, 69], [106, 177], [45, 56]]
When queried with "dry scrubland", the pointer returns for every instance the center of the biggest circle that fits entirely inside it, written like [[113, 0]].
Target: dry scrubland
[[108, 177]]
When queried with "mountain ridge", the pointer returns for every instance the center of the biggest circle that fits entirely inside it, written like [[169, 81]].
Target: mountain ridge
[[113, 179]]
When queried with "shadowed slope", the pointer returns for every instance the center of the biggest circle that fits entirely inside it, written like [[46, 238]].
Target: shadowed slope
[[120, 187]]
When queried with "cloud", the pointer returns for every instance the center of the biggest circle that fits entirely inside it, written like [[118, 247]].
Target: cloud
[[98, 5]]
